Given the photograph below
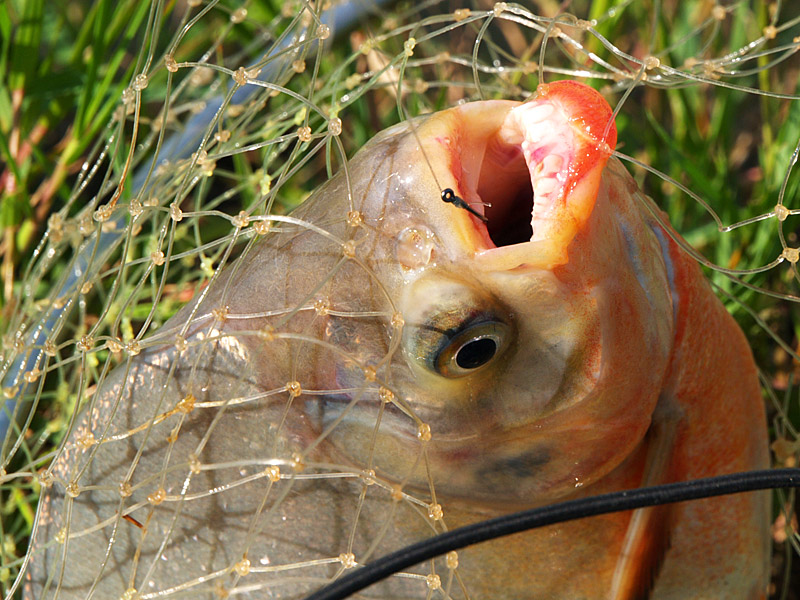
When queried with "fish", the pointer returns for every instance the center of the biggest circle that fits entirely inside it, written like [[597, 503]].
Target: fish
[[381, 365]]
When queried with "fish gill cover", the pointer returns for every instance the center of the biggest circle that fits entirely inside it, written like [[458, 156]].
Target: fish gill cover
[[150, 147]]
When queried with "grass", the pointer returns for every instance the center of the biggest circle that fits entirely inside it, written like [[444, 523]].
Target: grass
[[74, 129]]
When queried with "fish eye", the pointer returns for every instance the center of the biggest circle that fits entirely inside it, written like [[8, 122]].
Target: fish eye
[[471, 348]]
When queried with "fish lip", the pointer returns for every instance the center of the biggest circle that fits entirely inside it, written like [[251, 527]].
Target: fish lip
[[542, 159]]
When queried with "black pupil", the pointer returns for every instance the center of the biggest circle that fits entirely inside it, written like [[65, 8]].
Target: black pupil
[[476, 353]]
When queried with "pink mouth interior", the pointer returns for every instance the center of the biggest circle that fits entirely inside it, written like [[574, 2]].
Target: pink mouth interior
[[522, 171]]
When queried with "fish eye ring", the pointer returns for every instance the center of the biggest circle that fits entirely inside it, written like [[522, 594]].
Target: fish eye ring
[[471, 349]]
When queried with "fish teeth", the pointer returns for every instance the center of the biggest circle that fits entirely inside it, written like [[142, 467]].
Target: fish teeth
[[552, 163], [543, 186], [549, 166], [547, 176], [547, 146], [536, 113]]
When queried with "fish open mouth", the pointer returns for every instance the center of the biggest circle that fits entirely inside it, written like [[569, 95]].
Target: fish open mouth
[[524, 171], [533, 171]]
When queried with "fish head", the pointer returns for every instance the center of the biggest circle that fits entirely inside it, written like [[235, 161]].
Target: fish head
[[535, 339]]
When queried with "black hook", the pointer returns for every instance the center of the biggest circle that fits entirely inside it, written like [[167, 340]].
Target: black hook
[[448, 195]]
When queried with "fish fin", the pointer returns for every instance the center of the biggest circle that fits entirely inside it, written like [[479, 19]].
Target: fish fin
[[645, 546], [648, 537]]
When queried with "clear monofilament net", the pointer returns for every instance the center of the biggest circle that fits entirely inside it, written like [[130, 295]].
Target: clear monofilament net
[[155, 144]]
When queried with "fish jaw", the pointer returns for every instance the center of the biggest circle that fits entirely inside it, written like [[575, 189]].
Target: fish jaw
[[543, 158]]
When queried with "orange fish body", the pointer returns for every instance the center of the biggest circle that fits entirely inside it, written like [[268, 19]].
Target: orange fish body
[[388, 365]]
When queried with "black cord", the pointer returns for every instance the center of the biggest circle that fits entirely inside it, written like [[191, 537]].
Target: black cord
[[361, 578]]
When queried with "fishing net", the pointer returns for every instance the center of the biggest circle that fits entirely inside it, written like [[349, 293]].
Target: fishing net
[[192, 130]]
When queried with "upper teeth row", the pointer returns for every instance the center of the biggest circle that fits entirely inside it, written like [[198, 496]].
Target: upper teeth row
[[546, 144]]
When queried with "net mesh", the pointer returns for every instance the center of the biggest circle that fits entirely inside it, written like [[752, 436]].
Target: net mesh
[[208, 123]]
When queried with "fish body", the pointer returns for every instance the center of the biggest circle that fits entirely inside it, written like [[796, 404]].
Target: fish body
[[384, 365]]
